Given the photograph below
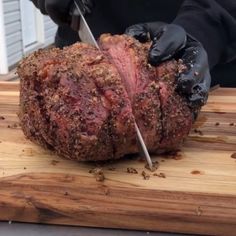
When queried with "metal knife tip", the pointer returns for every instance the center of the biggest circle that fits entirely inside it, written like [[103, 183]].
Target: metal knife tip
[[144, 148]]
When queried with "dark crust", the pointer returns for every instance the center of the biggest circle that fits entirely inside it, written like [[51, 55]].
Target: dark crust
[[72, 101], [75, 101], [161, 113]]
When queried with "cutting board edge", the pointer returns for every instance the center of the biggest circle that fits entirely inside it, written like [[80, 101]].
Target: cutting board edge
[[26, 201]]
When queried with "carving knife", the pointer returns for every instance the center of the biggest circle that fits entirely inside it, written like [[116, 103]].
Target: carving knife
[[78, 22]]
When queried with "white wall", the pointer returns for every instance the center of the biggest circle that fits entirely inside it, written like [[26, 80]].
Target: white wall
[[11, 11], [11, 33], [3, 49], [49, 31]]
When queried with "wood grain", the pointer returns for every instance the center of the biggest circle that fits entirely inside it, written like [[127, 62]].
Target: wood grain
[[198, 194]]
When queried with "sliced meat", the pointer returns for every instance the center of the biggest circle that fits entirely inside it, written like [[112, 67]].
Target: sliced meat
[[82, 102], [161, 114]]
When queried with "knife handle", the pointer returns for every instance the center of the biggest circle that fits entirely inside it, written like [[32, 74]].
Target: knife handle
[[75, 18], [84, 7]]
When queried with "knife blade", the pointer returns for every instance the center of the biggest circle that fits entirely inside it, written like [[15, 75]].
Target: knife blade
[[86, 36], [85, 33]]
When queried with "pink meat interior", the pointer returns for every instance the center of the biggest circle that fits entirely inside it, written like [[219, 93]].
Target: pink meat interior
[[162, 115]]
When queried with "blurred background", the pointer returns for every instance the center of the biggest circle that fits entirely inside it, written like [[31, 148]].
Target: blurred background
[[23, 29]]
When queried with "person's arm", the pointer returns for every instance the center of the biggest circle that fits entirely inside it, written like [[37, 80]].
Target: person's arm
[[40, 5], [59, 10], [213, 23]]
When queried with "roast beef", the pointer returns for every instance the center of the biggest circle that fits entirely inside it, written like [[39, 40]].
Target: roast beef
[[82, 102]]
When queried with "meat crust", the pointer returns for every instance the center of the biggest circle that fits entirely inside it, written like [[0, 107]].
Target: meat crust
[[82, 102]]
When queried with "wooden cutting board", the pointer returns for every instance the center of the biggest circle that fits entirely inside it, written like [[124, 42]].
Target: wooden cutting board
[[197, 195]]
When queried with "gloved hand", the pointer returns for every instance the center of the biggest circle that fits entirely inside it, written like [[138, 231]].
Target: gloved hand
[[59, 10], [170, 40]]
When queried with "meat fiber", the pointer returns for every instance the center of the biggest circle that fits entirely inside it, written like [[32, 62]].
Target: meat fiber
[[82, 102]]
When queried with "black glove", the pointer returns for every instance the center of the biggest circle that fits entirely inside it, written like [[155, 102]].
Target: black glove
[[170, 40], [59, 10]]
